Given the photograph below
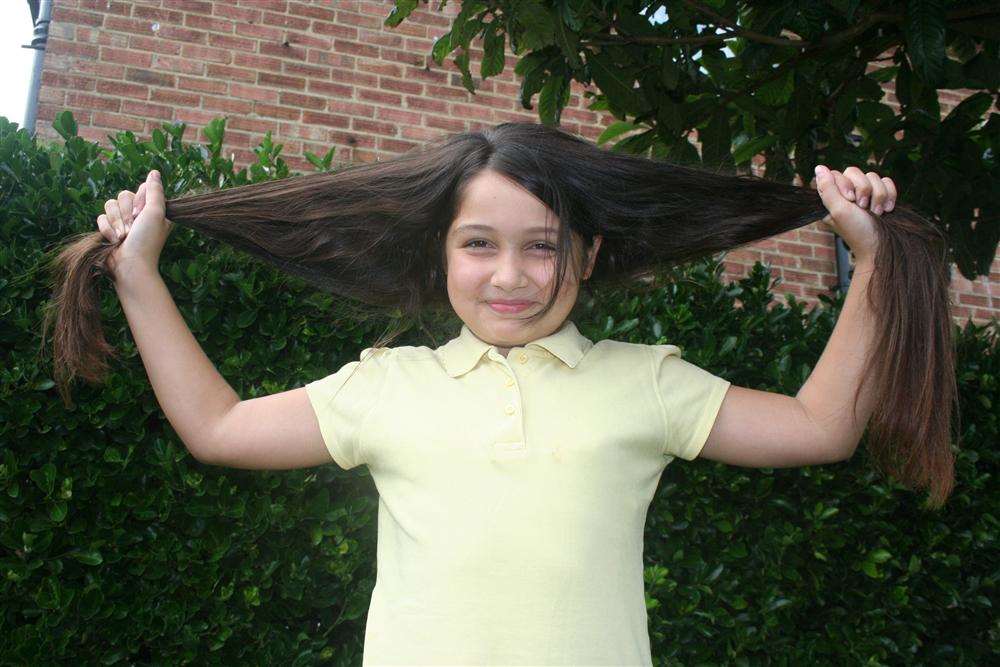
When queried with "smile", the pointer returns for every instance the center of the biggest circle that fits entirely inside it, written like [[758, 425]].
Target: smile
[[511, 308]]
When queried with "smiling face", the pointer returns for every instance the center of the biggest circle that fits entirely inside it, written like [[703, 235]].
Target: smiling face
[[512, 256]]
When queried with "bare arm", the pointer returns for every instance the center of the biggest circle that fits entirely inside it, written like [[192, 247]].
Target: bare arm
[[760, 429], [191, 392]]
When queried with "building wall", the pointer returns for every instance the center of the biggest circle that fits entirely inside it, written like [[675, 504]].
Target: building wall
[[329, 74]]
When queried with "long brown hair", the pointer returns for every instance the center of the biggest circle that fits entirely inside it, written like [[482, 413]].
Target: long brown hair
[[374, 234]]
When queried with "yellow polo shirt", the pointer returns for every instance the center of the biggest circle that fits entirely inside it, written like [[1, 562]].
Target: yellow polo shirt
[[513, 491]]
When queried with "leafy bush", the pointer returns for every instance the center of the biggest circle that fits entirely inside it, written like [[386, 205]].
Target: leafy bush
[[116, 546]]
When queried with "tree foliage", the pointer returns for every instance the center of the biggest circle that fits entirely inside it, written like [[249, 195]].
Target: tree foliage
[[784, 79]]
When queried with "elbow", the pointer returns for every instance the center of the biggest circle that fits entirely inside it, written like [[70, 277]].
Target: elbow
[[844, 452], [201, 454]]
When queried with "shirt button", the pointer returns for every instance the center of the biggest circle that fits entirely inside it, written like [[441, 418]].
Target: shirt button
[[509, 382], [522, 357], [510, 409]]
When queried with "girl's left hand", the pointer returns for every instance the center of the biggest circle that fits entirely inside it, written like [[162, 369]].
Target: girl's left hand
[[848, 196]]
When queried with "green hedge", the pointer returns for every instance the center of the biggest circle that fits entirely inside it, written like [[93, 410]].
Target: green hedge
[[117, 547]]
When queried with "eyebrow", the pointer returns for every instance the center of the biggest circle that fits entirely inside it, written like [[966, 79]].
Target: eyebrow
[[487, 228]]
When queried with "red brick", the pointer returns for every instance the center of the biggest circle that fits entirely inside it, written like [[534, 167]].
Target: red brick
[[61, 47], [146, 110], [360, 20], [63, 14], [200, 6], [335, 30], [421, 133], [338, 60], [398, 116], [357, 78], [149, 77], [800, 277], [408, 87], [285, 21], [795, 248], [122, 89], [208, 53], [965, 299], [424, 104], [449, 124], [118, 121], [352, 139], [381, 38], [374, 127], [302, 101], [179, 34], [216, 71], [196, 116], [203, 85], [52, 79], [180, 64], [471, 112], [126, 57], [304, 9], [450, 93], [325, 119], [232, 43], [103, 70], [253, 125], [208, 23], [315, 71], [350, 108], [279, 81], [335, 90], [355, 48], [395, 145], [240, 14], [154, 45], [133, 26], [254, 92], [255, 62], [380, 97], [156, 14], [107, 6], [281, 49], [260, 32], [174, 97], [226, 104], [274, 111], [383, 68]]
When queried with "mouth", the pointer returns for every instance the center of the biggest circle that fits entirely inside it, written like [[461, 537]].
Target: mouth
[[510, 307]]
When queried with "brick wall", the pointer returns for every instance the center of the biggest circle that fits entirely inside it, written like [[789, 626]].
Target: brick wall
[[328, 74]]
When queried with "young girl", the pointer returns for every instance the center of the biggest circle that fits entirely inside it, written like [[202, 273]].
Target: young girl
[[515, 463]]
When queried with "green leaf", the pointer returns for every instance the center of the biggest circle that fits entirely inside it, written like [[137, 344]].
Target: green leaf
[[538, 25], [615, 129], [88, 557], [493, 54], [442, 47], [44, 478], [778, 91], [552, 99], [616, 84], [568, 41], [925, 27], [65, 124], [746, 151], [402, 9]]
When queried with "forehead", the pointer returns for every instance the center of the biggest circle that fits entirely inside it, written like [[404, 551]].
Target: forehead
[[492, 203]]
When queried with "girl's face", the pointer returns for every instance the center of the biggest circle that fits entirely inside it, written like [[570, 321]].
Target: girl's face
[[511, 256]]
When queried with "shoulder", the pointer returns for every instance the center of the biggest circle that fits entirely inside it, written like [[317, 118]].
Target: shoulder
[[615, 350]]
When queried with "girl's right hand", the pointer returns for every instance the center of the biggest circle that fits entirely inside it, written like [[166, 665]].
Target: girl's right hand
[[138, 224]]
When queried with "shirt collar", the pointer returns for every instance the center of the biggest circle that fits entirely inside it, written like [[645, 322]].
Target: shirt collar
[[461, 354]]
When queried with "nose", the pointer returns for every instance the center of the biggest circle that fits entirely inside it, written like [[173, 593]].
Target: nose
[[508, 274]]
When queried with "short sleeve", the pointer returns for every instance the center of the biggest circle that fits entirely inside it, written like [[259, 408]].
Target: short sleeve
[[690, 398], [342, 401]]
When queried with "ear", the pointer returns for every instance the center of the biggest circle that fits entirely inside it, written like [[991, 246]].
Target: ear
[[592, 255]]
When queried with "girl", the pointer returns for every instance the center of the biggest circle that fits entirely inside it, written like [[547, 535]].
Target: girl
[[515, 463]]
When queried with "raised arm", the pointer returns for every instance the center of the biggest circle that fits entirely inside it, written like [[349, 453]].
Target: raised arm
[[817, 425], [270, 432]]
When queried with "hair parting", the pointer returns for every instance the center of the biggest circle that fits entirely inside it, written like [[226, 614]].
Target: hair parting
[[374, 235]]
